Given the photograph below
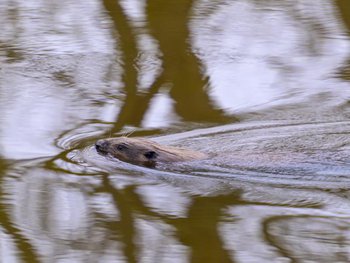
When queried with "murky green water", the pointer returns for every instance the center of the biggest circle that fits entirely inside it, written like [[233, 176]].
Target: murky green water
[[261, 86]]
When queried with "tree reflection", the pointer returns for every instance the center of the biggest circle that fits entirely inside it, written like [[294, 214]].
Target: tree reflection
[[344, 10], [135, 103], [128, 47], [125, 228], [168, 22], [200, 229], [202, 219], [324, 239], [25, 249]]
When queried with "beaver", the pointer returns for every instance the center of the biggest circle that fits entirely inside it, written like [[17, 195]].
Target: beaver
[[145, 152]]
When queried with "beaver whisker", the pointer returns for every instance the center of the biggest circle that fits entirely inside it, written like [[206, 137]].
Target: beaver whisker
[[130, 133]]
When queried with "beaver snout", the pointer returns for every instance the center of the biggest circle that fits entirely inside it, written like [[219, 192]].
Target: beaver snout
[[102, 146]]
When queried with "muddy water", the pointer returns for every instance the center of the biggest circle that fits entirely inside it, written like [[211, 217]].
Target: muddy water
[[261, 86]]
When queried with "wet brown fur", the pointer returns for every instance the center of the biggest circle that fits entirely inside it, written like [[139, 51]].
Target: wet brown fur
[[145, 152]]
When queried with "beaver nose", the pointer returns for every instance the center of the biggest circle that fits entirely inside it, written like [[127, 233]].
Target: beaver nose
[[101, 145]]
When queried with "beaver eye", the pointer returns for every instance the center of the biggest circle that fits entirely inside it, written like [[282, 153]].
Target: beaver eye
[[151, 155], [121, 147]]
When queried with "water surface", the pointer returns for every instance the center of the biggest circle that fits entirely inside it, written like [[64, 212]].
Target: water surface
[[261, 86]]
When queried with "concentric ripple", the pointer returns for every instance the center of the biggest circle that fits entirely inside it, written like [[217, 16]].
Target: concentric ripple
[[287, 153]]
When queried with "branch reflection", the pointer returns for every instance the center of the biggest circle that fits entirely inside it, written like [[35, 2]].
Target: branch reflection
[[168, 23]]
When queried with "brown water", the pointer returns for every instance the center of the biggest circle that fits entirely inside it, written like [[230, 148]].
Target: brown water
[[261, 86]]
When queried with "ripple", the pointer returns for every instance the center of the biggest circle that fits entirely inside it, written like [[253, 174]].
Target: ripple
[[287, 153], [78, 136], [292, 154]]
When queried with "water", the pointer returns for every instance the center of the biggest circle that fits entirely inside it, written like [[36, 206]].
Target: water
[[260, 86]]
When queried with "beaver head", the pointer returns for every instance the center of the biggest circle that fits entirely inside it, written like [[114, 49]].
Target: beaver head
[[144, 152]]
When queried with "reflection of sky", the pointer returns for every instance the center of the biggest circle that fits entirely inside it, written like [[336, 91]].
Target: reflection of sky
[[71, 69], [27, 121], [59, 75], [69, 76], [255, 56], [47, 27], [159, 113]]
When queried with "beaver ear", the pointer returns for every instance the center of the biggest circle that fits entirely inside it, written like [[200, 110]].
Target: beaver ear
[[151, 155]]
